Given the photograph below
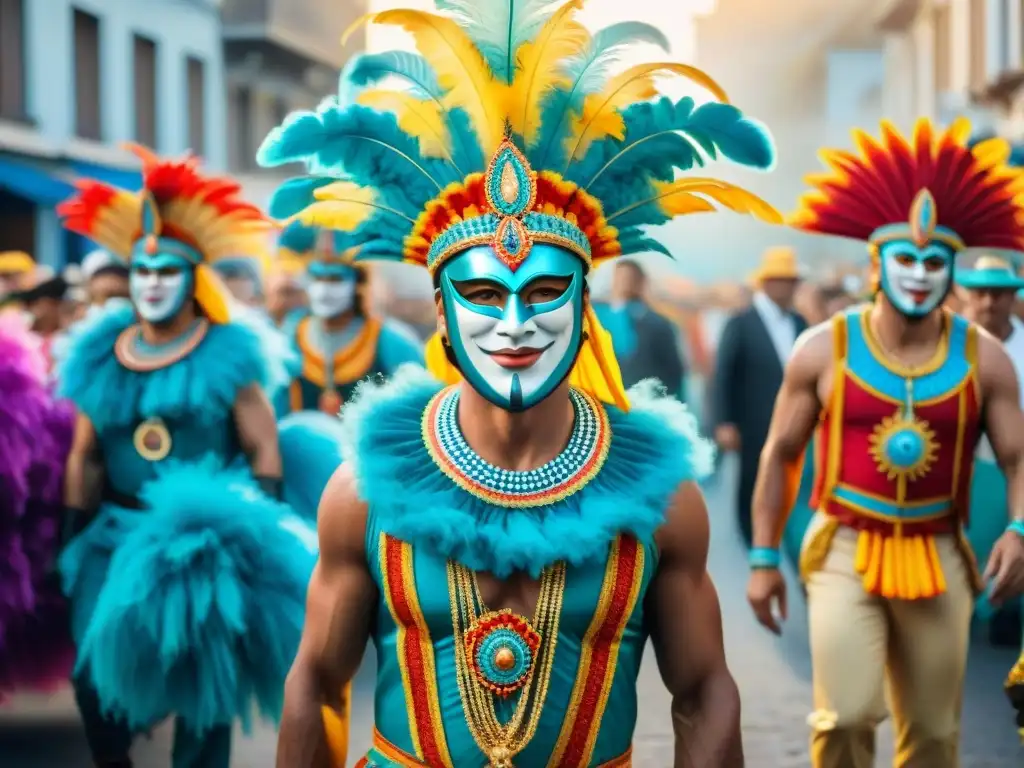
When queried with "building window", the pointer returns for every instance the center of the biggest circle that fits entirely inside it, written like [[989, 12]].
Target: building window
[[87, 76], [240, 118], [196, 78], [145, 91], [12, 59]]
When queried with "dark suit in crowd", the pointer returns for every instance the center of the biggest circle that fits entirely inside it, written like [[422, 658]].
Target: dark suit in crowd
[[748, 376], [646, 345]]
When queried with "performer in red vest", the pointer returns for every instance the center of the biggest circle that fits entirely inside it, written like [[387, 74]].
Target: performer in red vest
[[899, 390]]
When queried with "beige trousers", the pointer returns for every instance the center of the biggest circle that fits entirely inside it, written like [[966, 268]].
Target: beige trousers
[[860, 642]]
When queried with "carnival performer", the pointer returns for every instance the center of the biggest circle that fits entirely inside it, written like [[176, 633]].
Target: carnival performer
[[187, 584], [904, 389], [535, 504], [35, 643], [339, 342]]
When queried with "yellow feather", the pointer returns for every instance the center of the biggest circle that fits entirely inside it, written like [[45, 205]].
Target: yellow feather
[[540, 67], [332, 214], [342, 206], [461, 71], [601, 111], [694, 195], [419, 118]]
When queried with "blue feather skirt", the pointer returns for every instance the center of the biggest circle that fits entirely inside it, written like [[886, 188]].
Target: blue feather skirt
[[194, 606]]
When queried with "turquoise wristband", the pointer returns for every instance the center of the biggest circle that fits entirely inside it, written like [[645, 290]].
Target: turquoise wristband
[[764, 557], [1017, 526]]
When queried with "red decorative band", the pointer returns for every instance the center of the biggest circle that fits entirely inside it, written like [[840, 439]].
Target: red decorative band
[[619, 593], [415, 653]]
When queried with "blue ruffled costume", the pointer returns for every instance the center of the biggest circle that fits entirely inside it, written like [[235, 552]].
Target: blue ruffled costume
[[190, 602], [654, 447]]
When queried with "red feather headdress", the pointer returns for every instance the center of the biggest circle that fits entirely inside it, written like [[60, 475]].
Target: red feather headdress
[[971, 192], [206, 213]]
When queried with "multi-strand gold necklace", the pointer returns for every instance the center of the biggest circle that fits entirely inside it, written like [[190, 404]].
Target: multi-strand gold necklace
[[497, 654]]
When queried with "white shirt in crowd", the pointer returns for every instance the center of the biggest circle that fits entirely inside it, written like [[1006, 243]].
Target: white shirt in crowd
[[1014, 346], [780, 324]]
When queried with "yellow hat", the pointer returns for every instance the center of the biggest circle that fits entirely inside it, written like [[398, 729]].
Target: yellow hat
[[778, 263], [16, 263]]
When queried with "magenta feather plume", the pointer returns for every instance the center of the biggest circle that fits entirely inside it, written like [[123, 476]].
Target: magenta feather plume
[[35, 437]]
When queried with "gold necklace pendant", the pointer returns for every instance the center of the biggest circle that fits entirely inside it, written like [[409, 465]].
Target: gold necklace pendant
[[152, 440], [498, 653]]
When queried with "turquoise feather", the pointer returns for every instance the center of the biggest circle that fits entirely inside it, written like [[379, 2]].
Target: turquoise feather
[[199, 388], [661, 138], [294, 195], [500, 27], [654, 448], [588, 74], [203, 607], [411, 68], [365, 146], [635, 241]]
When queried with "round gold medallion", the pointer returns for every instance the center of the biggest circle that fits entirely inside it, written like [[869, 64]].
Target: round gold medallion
[[152, 440]]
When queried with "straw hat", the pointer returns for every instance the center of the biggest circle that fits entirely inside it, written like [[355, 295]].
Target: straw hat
[[778, 263]]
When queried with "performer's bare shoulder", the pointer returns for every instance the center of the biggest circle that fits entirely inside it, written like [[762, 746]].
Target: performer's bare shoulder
[[339, 610]]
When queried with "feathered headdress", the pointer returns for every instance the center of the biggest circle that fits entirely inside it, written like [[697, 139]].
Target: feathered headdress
[[933, 186], [202, 218], [299, 244], [512, 130]]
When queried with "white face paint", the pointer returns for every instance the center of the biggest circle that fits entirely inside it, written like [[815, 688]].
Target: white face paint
[[330, 298], [157, 297], [916, 282], [485, 337]]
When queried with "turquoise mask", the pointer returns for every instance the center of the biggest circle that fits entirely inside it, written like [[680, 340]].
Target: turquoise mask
[[331, 288], [517, 354], [917, 258], [159, 284], [916, 279]]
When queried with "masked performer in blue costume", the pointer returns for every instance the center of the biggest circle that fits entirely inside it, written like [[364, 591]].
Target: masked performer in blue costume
[[187, 584], [338, 342], [508, 542]]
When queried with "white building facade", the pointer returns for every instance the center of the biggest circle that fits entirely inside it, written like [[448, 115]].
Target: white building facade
[[80, 77]]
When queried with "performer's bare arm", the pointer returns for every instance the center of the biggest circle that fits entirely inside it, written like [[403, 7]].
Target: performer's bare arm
[[339, 610], [257, 430], [1004, 423], [794, 417], [76, 473], [686, 630]]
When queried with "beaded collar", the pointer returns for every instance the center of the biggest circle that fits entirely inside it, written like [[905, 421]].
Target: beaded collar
[[561, 477], [136, 355]]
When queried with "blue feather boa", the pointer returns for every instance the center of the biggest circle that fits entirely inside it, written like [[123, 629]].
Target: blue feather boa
[[654, 448], [195, 606], [200, 387]]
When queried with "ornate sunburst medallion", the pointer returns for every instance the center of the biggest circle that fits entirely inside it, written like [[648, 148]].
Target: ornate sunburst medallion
[[904, 447], [501, 648]]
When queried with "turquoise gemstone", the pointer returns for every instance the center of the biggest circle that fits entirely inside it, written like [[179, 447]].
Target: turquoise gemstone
[[511, 242], [905, 448]]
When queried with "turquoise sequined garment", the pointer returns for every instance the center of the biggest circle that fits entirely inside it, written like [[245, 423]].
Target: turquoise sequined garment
[[419, 519]]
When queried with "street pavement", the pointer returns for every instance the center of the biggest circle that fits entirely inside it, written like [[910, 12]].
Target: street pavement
[[773, 675]]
